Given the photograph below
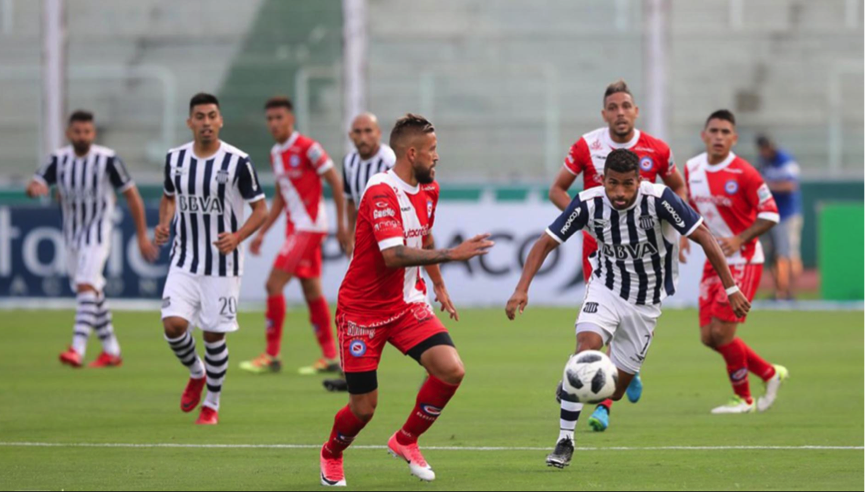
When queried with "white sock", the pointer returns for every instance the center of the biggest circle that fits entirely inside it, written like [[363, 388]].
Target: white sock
[[215, 365], [85, 318], [570, 413], [184, 349]]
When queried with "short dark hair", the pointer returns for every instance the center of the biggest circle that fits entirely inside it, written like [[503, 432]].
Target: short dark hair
[[721, 115], [80, 116], [410, 124], [279, 102], [616, 87], [763, 140], [622, 161], [202, 98]]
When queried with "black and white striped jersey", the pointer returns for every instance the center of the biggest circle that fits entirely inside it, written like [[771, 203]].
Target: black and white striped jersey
[[209, 198], [86, 185], [638, 247], [356, 171]]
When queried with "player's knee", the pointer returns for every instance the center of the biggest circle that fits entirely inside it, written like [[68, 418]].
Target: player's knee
[[618, 394], [454, 373], [707, 339], [213, 336], [273, 287], [173, 328], [363, 409], [311, 289], [84, 288]]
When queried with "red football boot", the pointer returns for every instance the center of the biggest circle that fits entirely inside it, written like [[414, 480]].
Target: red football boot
[[106, 360], [71, 357], [192, 394], [208, 416]]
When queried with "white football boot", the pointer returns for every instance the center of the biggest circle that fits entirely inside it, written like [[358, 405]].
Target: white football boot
[[737, 405], [417, 465], [772, 386]]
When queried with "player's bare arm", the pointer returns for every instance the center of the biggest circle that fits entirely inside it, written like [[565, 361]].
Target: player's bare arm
[[136, 208], [351, 213], [36, 188], [438, 282], [227, 242], [403, 256], [559, 190], [738, 302], [166, 213], [335, 182], [733, 244], [275, 210], [534, 261]]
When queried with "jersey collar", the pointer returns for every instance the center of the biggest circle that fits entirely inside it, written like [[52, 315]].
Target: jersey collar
[[288, 143], [403, 185], [711, 168], [627, 145]]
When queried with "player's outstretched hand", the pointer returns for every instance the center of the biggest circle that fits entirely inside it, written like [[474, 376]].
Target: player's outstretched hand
[[730, 245], [161, 234], [255, 244], [684, 249], [36, 189], [518, 301], [444, 298], [148, 249], [739, 303], [227, 242], [478, 245]]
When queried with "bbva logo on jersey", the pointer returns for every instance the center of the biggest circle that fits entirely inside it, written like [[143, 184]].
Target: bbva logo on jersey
[[621, 252], [206, 205]]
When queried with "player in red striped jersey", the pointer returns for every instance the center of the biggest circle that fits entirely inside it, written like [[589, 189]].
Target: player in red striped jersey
[[587, 157], [738, 207]]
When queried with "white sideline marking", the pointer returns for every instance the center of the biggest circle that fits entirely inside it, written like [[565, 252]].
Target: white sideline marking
[[382, 447]]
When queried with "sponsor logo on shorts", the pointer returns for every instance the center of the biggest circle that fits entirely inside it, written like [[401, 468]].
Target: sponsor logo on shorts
[[646, 163], [166, 302], [354, 330], [357, 348], [590, 307], [731, 187]]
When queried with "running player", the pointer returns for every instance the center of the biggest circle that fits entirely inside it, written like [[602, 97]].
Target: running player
[[636, 224], [738, 208], [383, 298], [371, 156], [86, 176], [587, 156], [207, 182], [299, 164]]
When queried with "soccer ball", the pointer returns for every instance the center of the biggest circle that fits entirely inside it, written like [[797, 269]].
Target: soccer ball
[[590, 377]]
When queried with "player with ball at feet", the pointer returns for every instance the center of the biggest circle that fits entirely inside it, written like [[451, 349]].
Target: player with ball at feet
[[636, 225]]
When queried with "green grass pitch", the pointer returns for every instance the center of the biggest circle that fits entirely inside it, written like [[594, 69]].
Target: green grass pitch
[[506, 401]]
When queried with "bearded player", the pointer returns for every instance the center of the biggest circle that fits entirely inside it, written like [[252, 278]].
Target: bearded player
[[738, 208], [383, 298], [299, 166], [587, 156]]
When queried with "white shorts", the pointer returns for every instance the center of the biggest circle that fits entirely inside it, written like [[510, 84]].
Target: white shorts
[[86, 265], [626, 328], [209, 302]]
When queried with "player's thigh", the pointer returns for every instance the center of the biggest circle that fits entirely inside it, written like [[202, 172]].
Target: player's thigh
[[180, 298], [311, 287], [361, 341], [219, 298], [89, 266], [442, 360], [630, 344]]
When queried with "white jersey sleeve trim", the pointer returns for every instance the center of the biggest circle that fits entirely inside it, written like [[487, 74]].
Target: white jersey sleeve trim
[[41, 180], [694, 227], [324, 167], [167, 193], [770, 216], [558, 240], [390, 243], [256, 198], [570, 170], [129, 184]]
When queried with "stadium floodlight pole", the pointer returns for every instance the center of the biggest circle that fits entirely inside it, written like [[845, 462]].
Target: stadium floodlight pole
[[354, 55], [655, 54], [53, 74]]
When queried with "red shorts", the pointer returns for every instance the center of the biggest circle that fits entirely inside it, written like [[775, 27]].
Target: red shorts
[[713, 296], [300, 255], [362, 338], [590, 246]]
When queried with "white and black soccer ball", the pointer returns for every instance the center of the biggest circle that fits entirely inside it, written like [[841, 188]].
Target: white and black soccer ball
[[590, 377]]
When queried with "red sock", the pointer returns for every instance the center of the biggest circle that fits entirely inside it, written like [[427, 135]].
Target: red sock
[[275, 317], [607, 403], [319, 317], [737, 367], [346, 426], [431, 399], [757, 365]]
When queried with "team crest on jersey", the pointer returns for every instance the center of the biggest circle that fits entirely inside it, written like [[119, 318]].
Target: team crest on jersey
[[222, 176], [429, 208], [646, 163], [647, 222], [294, 161], [357, 348], [731, 187]]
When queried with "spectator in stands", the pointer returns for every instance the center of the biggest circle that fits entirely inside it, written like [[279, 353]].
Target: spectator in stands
[[781, 173]]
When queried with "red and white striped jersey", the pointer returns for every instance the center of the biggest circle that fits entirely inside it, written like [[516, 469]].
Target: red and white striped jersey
[[391, 213], [298, 164], [587, 156], [730, 196]]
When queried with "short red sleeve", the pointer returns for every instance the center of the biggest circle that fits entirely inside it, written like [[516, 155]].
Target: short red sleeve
[[578, 157], [760, 197], [381, 208], [668, 164], [433, 195], [318, 158]]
